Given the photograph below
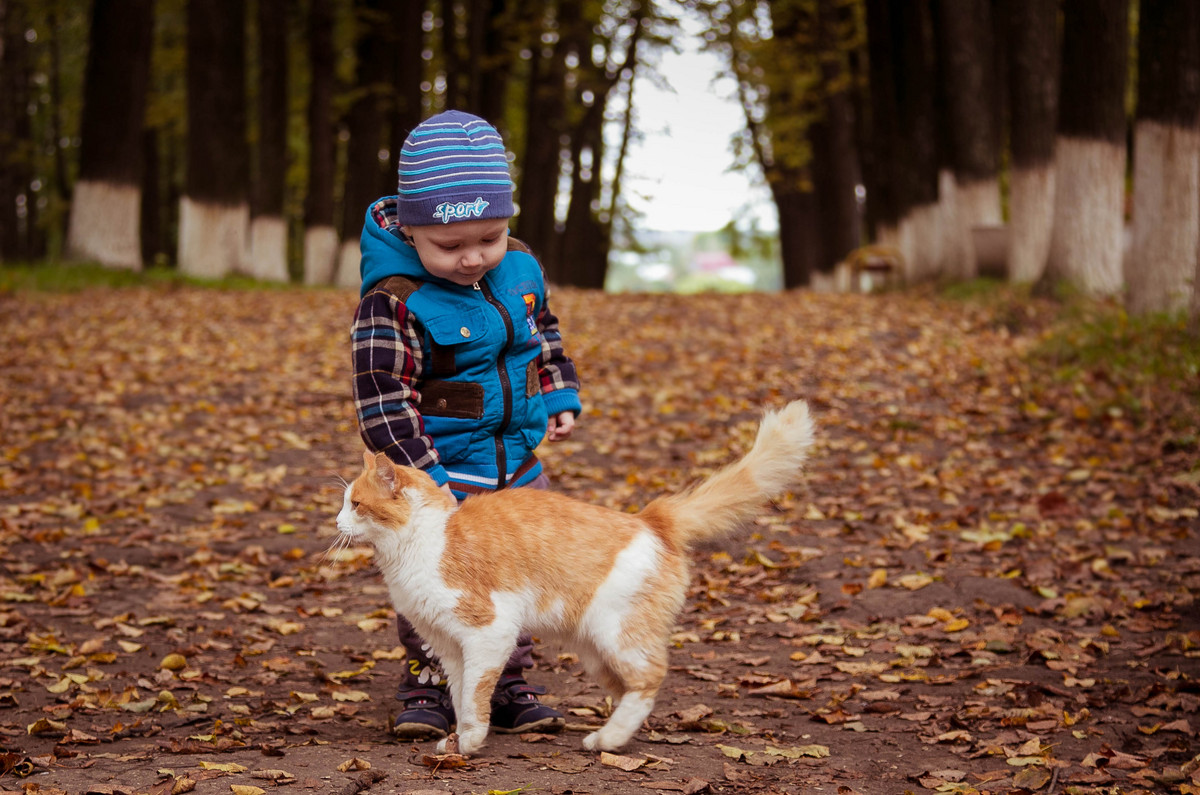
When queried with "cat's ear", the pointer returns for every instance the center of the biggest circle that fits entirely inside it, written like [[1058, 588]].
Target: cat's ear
[[385, 470], [368, 460]]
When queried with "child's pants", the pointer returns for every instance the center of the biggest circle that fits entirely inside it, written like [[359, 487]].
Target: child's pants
[[424, 670]]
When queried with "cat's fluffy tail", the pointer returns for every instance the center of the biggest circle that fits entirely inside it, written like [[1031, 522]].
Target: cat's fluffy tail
[[735, 494]]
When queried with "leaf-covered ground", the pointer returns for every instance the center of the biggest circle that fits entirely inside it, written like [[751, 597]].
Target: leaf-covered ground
[[986, 584]]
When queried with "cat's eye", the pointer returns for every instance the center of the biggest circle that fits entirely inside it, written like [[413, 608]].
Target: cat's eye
[[354, 504]]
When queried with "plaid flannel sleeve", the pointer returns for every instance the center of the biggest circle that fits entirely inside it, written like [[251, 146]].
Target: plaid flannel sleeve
[[560, 384], [388, 363]]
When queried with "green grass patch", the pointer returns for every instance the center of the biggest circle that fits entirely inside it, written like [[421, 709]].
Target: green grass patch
[[1102, 337], [57, 277]]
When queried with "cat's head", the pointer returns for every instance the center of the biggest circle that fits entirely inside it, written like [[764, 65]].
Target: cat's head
[[382, 499]]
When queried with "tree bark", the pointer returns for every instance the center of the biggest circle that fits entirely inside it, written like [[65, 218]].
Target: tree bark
[[918, 234], [153, 238], [966, 54], [268, 227], [363, 123], [879, 169], [16, 136], [405, 40], [107, 206], [320, 237], [1033, 38], [1166, 197], [214, 211], [834, 157], [545, 125], [451, 59], [1086, 243]]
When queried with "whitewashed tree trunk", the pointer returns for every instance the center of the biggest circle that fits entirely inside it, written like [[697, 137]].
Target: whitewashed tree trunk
[[212, 238], [349, 258], [320, 254], [105, 224], [1089, 200], [1031, 221], [919, 240], [268, 249], [956, 243], [1166, 217]]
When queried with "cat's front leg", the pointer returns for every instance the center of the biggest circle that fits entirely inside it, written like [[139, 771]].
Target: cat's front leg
[[483, 660]]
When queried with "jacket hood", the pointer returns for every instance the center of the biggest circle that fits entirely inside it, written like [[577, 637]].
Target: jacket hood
[[384, 252]]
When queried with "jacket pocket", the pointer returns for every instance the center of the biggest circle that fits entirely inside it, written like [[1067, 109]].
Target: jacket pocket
[[456, 399], [533, 384]]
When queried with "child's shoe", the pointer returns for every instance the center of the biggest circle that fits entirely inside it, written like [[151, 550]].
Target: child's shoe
[[428, 714], [516, 709]]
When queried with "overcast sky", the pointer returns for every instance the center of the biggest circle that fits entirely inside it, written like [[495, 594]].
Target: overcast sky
[[682, 165]]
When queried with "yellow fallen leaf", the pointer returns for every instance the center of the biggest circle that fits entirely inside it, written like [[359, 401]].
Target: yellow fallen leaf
[[626, 763], [351, 695], [354, 763], [878, 578], [958, 625], [46, 726], [797, 751], [915, 582], [373, 624], [246, 789], [173, 662], [224, 767]]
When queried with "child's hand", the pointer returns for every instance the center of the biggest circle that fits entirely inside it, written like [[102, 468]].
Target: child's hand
[[560, 426]]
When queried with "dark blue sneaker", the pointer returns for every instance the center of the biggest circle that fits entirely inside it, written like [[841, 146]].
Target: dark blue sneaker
[[516, 710], [427, 715]]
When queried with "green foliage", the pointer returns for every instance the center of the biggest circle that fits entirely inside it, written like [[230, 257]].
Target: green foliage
[[57, 277], [1102, 337], [1085, 335]]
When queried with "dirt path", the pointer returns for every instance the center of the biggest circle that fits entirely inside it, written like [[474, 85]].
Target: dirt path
[[986, 585]]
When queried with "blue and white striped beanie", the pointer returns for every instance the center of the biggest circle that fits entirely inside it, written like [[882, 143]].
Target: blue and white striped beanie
[[453, 167]]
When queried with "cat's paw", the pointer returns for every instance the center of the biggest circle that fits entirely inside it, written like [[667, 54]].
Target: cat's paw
[[603, 740], [471, 740]]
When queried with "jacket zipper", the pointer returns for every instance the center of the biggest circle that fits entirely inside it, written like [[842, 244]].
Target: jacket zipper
[[505, 385]]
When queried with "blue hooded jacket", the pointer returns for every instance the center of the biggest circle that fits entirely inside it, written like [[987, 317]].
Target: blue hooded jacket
[[489, 334]]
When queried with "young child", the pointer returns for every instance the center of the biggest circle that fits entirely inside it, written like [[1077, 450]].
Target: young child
[[458, 364]]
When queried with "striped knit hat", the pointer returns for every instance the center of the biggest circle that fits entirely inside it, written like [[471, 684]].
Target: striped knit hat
[[453, 167]]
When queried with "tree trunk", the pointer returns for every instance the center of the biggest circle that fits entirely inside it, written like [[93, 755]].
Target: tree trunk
[[405, 39], [16, 136], [580, 257], [214, 211], [107, 206], [834, 159], [363, 125], [501, 49], [799, 237], [1166, 177], [320, 238], [1032, 33], [919, 229], [451, 59], [268, 227], [1089, 201], [966, 68], [883, 134], [545, 115], [153, 240]]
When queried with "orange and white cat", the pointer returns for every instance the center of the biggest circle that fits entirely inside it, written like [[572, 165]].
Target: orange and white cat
[[606, 584]]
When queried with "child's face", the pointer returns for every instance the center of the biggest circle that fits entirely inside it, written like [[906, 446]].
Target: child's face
[[461, 252]]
